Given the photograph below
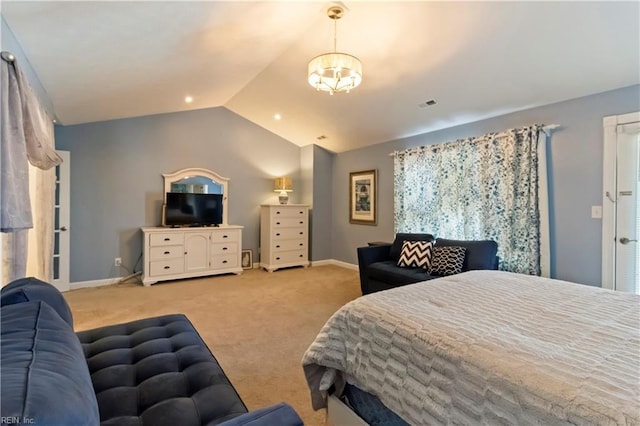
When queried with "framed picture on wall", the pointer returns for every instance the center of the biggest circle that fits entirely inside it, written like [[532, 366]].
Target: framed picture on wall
[[363, 194]]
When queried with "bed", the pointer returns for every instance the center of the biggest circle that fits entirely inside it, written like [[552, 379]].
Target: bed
[[486, 347]]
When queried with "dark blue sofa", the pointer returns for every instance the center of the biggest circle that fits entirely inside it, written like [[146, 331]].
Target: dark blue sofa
[[155, 371], [379, 270]]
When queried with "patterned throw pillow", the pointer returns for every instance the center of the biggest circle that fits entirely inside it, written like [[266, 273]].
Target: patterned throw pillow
[[416, 254], [447, 260]]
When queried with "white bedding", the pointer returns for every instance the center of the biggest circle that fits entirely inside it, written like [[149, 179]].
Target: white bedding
[[487, 347]]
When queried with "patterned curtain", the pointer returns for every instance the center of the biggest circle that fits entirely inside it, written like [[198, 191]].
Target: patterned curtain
[[476, 188]]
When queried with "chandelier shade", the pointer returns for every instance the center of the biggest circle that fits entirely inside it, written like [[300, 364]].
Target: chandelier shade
[[335, 71]]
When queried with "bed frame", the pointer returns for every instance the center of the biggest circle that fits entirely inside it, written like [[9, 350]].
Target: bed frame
[[338, 414]]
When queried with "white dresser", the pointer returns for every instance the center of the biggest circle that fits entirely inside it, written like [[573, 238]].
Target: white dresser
[[173, 253], [284, 236]]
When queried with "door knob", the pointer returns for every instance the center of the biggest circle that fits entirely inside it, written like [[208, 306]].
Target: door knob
[[63, 228], [625, 240]]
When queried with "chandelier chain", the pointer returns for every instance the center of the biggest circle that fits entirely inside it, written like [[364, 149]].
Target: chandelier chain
[[335, 35]]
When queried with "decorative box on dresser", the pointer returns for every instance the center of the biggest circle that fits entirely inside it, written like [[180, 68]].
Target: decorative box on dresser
[[173, 253], [284, 236]]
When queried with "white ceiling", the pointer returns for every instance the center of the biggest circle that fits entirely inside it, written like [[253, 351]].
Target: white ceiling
[[107, 60]]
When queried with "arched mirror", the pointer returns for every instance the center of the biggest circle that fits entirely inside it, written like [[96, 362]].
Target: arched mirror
[[198, 181]]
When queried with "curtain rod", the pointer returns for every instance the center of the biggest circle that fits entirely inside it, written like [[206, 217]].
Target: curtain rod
[[546, 128], [7, 56]]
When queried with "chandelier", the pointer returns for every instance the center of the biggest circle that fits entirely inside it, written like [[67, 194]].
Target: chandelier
[[335, 72]]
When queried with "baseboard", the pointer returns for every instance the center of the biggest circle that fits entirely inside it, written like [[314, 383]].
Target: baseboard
[[334, 263], [94, 283], [109, 281]]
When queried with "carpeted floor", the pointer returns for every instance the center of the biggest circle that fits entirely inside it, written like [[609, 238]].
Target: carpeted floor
[[257, 324]]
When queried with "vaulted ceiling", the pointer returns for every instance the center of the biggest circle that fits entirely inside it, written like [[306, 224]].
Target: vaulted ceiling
[[106, 60]]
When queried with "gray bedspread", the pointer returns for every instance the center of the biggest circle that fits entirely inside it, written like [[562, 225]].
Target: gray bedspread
[[487, 347]]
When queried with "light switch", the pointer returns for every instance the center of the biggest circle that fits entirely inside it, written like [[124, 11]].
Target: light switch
[[596, 212]]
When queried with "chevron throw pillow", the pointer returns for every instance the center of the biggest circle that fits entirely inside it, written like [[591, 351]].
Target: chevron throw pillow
[[416, 254], [447, 260]]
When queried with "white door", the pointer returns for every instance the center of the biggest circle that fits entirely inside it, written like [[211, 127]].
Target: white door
[[61, 223], [627, 256]]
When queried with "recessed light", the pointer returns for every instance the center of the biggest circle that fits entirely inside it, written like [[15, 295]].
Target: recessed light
[[277, 116], [188, 99]]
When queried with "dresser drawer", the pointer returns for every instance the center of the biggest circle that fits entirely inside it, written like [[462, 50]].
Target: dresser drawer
[[224, 248], [285, 245], [290, 256], [277, 212], [289, 233], [224, 261], [289, 222], [225, 236], [168, 239], [167, 267], [166, 252]]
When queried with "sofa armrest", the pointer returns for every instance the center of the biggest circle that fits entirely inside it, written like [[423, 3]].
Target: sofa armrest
[[32, 289], [367, 256], [279, 414], [372, 254]]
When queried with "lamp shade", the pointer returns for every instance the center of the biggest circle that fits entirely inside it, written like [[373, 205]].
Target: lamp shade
[[335, 72], [282, 184]]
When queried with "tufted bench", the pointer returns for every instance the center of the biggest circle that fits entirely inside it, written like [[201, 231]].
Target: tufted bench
[[154, 371], [157, 369]]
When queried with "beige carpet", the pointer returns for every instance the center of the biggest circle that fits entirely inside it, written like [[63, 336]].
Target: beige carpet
[[257, 324]]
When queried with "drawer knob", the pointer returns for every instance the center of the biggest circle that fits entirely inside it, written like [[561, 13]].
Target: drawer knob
[[167, 252], [277, 258], [167, 267], [301, 212], [278, 212], [225, 236], [301, 222], [224, 261], [224, 248], [278, 246], [167, 239], [301, 244], [301, 255], [277, 223], [278, 234], [301, 233]]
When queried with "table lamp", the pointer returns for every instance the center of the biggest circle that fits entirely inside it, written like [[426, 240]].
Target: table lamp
[[283, 185]]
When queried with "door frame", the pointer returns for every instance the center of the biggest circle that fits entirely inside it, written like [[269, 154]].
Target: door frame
[[610, 125], [64, 183]]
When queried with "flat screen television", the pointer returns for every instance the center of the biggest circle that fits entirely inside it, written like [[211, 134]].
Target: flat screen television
[[184, 209]]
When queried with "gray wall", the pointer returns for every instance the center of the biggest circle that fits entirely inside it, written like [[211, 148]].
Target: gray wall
[[316, 166], [116, 187], [322, 213], [116, 178], [575, 179]]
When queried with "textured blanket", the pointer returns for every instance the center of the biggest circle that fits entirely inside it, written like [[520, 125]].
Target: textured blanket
[[487, 347]]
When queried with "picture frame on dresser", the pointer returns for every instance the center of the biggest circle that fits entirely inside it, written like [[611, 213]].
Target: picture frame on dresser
[[363, 197]]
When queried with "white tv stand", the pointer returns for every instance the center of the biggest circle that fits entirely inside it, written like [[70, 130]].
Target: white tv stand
[[174, 253]]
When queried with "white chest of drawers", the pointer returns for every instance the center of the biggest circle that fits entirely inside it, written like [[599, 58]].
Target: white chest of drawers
[[284, 236], [173, 253]]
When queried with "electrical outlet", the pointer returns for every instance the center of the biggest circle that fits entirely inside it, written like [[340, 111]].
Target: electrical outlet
[[596, 212], [117, 261]]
